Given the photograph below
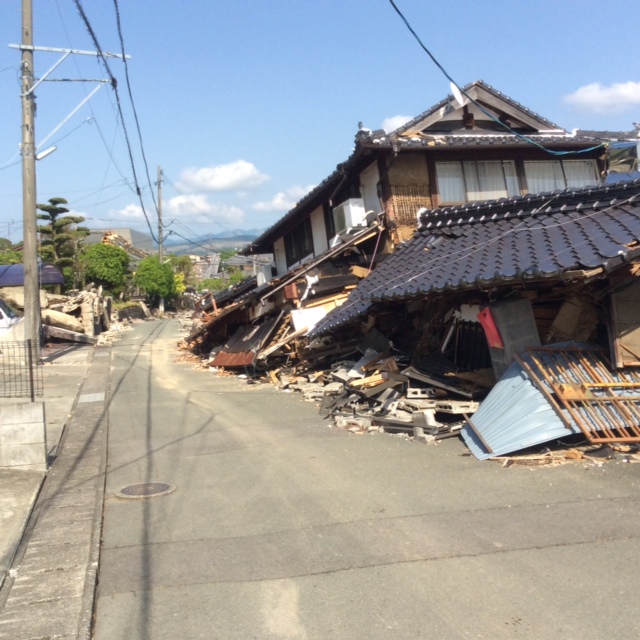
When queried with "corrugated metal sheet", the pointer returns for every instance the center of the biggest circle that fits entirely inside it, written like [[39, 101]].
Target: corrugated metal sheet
[[241, 350], [553, 392], [514, 416], [581, 386]]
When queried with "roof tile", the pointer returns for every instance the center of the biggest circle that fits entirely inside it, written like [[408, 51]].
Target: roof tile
[[535, 236]]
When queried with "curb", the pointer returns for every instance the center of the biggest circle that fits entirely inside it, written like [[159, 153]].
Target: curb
[[55, 571]]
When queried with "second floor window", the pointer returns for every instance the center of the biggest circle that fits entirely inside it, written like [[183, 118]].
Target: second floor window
[[550, 175], [470, 181], [298, 244]]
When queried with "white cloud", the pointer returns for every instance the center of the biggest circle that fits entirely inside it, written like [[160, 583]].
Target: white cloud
[[284, 200], [196, 208], [131, 211], [235, 176], [395, 122], [596, 98]]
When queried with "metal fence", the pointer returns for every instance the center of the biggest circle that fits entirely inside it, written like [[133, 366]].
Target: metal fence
[[20, 370]]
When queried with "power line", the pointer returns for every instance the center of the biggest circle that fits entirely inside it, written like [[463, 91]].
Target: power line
[[179, 192], [487, 113], [133, 106], [108, 148], [114, 84], [195, 244]]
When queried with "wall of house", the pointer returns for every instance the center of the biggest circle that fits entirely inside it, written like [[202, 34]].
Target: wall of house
[[406, 190], [319, 232], [280, 256], [369, 179]]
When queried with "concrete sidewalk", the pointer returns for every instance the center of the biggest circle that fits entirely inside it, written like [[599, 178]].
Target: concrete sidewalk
[[65, 369]]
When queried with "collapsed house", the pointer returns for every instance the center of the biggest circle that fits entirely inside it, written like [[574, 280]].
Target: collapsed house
[[343, 229], [437, 258], [540, 293]]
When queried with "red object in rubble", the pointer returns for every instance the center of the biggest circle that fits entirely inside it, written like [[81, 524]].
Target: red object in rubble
[[490, 330]]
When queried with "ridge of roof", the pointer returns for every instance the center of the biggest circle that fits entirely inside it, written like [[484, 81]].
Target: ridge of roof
[[467, 88]]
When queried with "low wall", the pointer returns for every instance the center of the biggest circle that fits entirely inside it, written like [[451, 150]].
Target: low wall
[[22, 436]]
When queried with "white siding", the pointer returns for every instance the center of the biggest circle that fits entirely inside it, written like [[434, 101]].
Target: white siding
[[319, 232], [369, 179], [280, 256]]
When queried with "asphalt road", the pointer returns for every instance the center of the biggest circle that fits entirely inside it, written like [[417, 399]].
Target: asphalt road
[[283, 527]]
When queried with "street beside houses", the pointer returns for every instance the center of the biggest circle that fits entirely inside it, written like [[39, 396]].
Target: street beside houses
[[276, 524]]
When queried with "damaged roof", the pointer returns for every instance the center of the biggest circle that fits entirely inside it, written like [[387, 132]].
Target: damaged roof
[[504, 241], [439, 127]]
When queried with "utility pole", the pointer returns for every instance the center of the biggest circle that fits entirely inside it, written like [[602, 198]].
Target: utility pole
[[160, 239], [32, 319]]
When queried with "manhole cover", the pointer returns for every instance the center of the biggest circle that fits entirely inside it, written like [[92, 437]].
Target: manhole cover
[[145, 490]]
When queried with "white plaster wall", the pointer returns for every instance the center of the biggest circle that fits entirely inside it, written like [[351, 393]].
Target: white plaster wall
[[369, 179], [319, 232]]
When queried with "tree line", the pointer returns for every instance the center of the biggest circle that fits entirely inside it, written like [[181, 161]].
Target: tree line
[[62, 242]]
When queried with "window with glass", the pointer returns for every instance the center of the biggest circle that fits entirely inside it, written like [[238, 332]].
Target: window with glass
[[298, 244], [470, 181], [550, 175]]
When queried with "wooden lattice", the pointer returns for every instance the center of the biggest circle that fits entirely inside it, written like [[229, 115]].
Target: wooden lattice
[[403, 205]]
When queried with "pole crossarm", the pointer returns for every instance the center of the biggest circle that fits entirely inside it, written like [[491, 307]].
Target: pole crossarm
[[66, 53], [105, 54]]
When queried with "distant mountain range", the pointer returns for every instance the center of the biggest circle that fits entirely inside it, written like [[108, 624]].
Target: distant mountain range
[[173, 243], [230, 239]]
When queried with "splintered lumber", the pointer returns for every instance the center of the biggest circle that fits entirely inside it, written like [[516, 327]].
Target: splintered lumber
[[366, 383], [360, 272], [281, 343], [69, 336]]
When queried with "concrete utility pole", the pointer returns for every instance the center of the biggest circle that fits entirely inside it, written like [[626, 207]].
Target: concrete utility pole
[[160, 239], [32, 319]]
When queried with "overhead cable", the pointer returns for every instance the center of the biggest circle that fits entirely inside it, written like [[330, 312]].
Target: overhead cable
[[480, 107], [114, 84]]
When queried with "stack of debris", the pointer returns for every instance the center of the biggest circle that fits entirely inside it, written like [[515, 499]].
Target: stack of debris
[[379, 392], [78, 317]]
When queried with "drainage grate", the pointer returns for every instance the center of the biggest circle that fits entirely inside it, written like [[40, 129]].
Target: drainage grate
[[145, 490]]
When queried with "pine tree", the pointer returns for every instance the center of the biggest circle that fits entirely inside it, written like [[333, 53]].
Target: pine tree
[[61, 238]]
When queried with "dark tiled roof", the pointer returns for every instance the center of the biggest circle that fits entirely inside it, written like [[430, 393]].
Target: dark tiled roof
[[476, 140], [511, 240], [609, 135]]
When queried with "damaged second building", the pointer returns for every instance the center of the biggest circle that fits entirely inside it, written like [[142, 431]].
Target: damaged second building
[[486, 263]]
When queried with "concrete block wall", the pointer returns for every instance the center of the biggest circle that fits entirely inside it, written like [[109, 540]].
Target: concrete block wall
[[517, 327], [23, 442]]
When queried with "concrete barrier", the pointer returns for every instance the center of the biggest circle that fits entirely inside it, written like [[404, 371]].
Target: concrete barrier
[[23, 436]]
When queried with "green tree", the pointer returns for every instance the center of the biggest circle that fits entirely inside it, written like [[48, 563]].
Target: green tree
[[61, 238], [156, 280], [183, 265], [8, 254], [106, 265]]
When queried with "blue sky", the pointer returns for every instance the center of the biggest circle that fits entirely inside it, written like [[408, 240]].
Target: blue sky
[[247, 104]]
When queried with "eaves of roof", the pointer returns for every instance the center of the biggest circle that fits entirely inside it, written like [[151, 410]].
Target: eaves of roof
[[524, 239], [314, 198]]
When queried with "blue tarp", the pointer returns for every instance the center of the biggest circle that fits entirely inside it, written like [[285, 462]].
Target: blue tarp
[[12, 275]]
